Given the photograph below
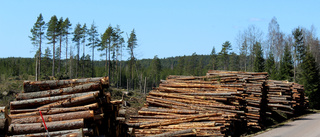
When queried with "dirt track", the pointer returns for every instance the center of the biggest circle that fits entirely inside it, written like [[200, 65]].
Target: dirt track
[[308, 126]]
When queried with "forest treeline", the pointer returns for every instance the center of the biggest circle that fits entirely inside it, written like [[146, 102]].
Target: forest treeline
[[293, 57]]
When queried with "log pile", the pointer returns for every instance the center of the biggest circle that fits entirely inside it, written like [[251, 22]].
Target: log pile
[[286, 97], [76, 107], [187, 105], [222, 103], [254, 95]]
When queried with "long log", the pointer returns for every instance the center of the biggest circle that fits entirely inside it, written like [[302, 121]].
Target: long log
[[17, 129], [55, 117], [72, 101], [33, 86], [46, 111], [85, 131], [175, 133], [63, 91], [31, 103]]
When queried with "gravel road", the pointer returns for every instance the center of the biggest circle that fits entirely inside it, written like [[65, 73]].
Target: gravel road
[[308, 126]]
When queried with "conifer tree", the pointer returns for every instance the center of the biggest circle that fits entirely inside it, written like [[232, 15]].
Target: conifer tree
[[93, 42], [52, 33], [77, 39], [311, 80], [258, 64], [286, 65], [37, 33], [66, 26], [270, 66]]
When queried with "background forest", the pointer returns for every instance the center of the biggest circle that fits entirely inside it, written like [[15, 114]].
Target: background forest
[[61, 55]]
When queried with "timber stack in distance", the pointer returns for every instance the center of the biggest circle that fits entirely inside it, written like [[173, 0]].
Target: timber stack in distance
[[222, 103], [75, 107]]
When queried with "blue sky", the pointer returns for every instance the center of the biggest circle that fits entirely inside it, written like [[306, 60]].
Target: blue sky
[[166, 28]]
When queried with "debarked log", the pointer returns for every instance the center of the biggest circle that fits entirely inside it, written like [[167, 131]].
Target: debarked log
[[17, 129], [56, 117]]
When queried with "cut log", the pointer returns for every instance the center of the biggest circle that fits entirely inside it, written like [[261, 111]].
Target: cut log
[[175, 133], [17, 129], [85, 131], [63, 91], [73, 101], [54, 84], [41, 101], [56, 117]]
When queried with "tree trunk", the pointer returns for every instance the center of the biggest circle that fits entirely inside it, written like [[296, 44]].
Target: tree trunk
[[175, 133], [85, 131], [63, 91], [32, 86], [17, 129], [49, 111], [56, 117], [72, 101], [53, 56], [32, 103]]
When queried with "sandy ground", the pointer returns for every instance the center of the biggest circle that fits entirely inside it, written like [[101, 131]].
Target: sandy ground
[[308, 126]]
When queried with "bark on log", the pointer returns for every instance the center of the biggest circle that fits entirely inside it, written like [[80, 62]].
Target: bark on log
[[175, 133], [73, 101], [85, 131], [47, 111], [54, 84], [17, 129], [63, 91], [56, 117], [41, 101]]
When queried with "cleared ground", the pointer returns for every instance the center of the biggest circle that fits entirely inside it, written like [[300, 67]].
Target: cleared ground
[[308, 126]]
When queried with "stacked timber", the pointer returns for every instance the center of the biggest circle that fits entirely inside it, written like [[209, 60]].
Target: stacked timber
[[286, 97], [189, 105], [254, 95], [76, 107]]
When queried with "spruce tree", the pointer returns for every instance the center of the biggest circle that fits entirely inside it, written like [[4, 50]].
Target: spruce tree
[[270, 66], [311, 80], [286, 65], [258, 64]]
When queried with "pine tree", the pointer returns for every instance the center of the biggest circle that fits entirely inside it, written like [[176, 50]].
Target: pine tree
[[52, 33], [37, 32], [93, 42], [311, 80], [286, 65], [66, 26], [106, 45], [132, 44], [60, 38], [258, 64], [77, 38]]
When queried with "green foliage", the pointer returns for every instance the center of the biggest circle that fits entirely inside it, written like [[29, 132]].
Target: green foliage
[[224, 58], [311, 80], [258, 64], [286, 65], [270, 66]]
